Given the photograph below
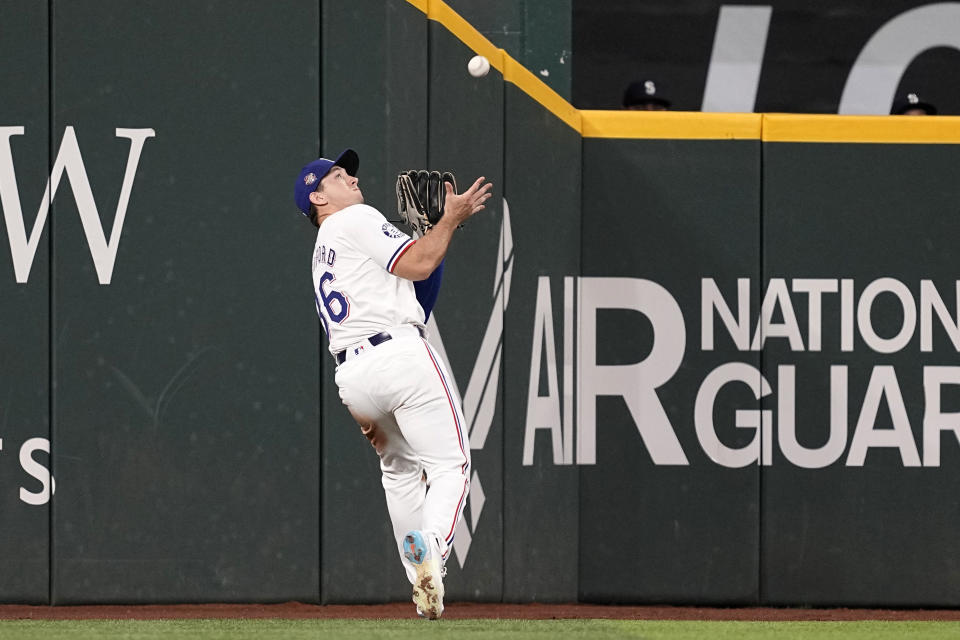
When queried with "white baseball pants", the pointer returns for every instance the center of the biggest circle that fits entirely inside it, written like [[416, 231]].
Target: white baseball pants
[[400, 395]]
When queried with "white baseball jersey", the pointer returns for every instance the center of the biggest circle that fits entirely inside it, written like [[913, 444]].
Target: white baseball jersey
[[356, 292], [398, 390]]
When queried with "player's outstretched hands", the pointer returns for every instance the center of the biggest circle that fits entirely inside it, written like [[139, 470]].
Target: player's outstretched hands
[[459, 207]]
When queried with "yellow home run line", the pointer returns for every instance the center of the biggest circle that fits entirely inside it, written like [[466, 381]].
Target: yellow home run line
[[671, 124], [783, 127], [680, 125]]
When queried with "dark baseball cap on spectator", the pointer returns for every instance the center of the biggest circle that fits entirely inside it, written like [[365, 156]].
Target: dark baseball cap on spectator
[[911, 100], [644, 92], [312, 173]]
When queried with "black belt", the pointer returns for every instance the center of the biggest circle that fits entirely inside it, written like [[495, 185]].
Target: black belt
[[380, 338]]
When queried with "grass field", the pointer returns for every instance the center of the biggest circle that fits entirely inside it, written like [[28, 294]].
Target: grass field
[[460, 629]]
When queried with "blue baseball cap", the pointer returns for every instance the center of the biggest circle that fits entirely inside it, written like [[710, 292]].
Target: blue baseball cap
[[311, 175]]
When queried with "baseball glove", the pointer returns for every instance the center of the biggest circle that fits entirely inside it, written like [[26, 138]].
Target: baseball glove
[[421, 196]]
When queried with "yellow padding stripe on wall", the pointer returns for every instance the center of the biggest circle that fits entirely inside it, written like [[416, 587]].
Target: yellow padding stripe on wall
[[783, 127], [677, 125]]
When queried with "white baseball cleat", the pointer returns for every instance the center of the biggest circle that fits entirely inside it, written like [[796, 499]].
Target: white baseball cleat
[[422, 552]]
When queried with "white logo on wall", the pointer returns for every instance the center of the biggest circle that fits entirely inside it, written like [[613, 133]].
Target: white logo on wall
[[638, 383], [480, 400], [567, 414], [35, 470], [23, 248]]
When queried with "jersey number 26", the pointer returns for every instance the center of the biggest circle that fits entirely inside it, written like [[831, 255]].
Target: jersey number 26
[[334, 303]]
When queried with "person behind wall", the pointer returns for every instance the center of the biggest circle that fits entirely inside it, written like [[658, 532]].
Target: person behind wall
[[645, 95], [910, 104]]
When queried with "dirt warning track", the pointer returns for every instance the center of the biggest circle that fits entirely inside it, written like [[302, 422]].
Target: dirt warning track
[[455, 610]]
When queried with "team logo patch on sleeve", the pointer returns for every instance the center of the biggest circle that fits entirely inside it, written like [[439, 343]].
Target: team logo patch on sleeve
[[390, 231]]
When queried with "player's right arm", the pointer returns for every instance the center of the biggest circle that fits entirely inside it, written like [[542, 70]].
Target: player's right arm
[[425, 255]]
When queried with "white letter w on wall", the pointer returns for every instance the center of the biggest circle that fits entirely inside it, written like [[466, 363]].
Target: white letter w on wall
[[103, 251]]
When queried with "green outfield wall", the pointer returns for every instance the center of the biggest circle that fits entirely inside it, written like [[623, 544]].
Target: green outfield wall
[[666, 214], [704, 358], [26, 347]]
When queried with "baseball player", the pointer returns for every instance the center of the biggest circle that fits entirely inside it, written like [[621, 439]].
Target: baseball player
[[390, 378]]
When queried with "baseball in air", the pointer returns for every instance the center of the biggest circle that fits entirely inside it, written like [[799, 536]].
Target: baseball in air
[[478, 66]]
